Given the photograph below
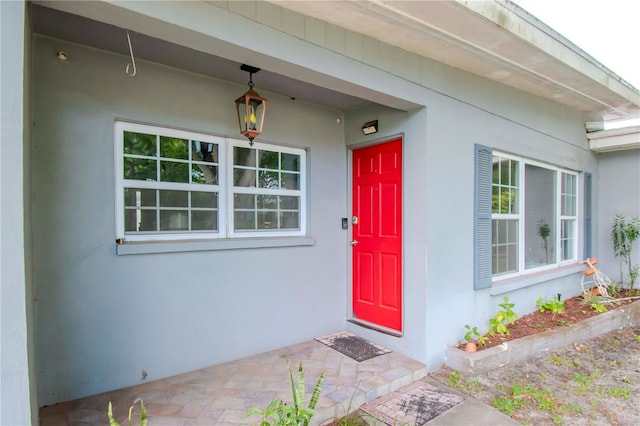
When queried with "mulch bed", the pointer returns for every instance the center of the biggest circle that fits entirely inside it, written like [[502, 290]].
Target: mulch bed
[[576, 309]]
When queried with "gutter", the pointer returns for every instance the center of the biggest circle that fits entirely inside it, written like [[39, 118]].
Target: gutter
[[614, 139]]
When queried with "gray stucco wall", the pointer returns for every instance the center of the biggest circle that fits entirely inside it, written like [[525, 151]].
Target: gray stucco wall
[[15, 392], [452, 131], [438, 208], [618, 187], [103, 318], [411, 126]]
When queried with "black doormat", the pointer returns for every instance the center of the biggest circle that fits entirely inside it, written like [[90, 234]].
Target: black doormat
[[415, 404], [353, 346]]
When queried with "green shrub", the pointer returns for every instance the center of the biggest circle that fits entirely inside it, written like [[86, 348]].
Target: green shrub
[[503, 318], [143, 414], [555, 305], [280, 413]]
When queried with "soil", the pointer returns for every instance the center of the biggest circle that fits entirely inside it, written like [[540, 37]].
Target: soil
[[596, 382], [576, 309]]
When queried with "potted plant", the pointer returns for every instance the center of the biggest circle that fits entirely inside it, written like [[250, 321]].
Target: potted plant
[[471, 337], [544, 230]]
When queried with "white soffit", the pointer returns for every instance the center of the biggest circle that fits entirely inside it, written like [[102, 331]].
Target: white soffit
[[615, 139], [496, 40]]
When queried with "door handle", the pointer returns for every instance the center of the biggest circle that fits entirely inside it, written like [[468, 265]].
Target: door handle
[[354, 242]]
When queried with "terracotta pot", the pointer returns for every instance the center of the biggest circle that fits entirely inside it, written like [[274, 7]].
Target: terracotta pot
[[471, 347]]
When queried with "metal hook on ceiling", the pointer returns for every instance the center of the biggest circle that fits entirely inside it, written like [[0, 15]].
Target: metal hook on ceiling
[[133, 60]]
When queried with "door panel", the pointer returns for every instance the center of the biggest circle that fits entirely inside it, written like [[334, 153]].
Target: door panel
[[365, 267], [377, 249]]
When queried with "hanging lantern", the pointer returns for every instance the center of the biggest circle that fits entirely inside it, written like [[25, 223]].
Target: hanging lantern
[[251, 108]]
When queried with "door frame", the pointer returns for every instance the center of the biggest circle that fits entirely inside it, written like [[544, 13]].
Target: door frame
[[349, 253]]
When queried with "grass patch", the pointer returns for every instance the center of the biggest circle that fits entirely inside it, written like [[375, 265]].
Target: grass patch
[[522, 396], [614, 392], [584, 382], [472, 387], [560, 360], [572, 409]]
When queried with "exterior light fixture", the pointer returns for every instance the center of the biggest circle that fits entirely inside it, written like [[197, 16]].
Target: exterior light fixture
[[370, 127], [251, 108]]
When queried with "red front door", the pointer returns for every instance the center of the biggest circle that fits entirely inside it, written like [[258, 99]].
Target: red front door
[[377, 234]]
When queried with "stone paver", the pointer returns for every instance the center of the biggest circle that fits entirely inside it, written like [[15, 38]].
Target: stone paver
[[221, 394]]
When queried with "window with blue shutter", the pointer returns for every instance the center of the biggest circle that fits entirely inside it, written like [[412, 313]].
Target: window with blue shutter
[[482, 217], [587, 216]]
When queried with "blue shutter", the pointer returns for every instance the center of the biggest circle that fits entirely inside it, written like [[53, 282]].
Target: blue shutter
[[587, 216], [482, 217]]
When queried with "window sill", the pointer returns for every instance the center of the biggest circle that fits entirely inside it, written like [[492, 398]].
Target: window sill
[[149, 247], [516, 283]]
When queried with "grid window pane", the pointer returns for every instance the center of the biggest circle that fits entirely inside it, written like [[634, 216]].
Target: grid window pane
[[204, 174], [569, 195], [174, 148], [174, 172], [204, 166], [267, 220], [204, 152], [269, 160], [244, 220], [290, 181], [289, 220], [204, 199], [135, 197], [267, 202], [505, 186], [504, 243], [174, 220], [268, 180], [139, 144], [204, 220], [174, 198], [290, 162], [262, 212], [244, 201], [568, 239], [140, 169], [244, 177], [244, 156], [289, 203], [130, 222], [140, 220]]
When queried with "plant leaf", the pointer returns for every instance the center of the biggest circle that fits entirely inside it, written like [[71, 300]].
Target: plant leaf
[[112, 420], [301, 389], [253, 410], [316, 391], [294, 392], [143, 414]]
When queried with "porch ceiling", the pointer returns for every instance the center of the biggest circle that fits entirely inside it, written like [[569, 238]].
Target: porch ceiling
[[496, 40], [49, 21]]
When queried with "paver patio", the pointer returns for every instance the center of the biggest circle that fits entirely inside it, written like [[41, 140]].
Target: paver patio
[[222, 393]]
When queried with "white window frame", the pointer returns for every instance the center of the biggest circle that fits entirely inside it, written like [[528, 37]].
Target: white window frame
[[521, 217], [574, 218], [224, 188], [258, 191]]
